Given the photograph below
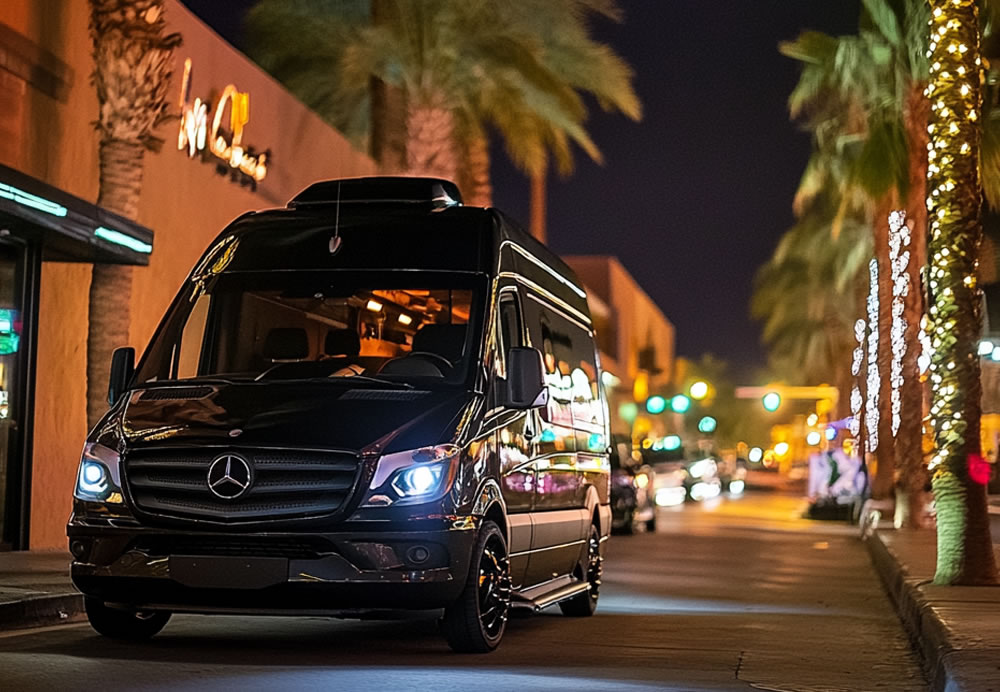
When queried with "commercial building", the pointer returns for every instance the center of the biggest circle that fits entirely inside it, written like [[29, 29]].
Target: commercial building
[[635, 338], [51, 232]]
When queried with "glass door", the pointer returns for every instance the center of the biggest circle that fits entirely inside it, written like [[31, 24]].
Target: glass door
[[13, 418]]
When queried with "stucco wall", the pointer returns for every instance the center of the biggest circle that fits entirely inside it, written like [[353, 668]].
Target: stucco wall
[[184, 201]]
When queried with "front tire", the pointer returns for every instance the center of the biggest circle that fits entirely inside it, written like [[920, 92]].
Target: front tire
[[475, 623], [585, 604], [128, 625]]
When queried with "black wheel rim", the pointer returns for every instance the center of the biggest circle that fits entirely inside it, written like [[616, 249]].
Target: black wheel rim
[[595, 565], [494, 588]]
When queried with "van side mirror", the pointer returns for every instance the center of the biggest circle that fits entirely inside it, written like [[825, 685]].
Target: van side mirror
[[526, 387], [122, 369]]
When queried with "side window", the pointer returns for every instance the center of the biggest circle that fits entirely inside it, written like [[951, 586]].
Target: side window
[[571, 372]]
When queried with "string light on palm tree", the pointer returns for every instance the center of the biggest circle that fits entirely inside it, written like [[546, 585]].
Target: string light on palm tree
[[872, 382], [965, 553], [899, 260]]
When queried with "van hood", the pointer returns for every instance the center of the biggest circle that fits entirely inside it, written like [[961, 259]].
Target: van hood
[[275, 414]]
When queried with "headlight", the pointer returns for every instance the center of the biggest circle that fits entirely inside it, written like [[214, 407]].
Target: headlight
[[98, 479], [416, 475]]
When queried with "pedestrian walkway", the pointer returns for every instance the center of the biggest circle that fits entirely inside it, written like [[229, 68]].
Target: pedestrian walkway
[[35, 590], [955, 628]]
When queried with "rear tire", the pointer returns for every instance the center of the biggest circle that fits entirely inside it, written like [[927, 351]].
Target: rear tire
[[128, 625], [585, 604], [475, 623]]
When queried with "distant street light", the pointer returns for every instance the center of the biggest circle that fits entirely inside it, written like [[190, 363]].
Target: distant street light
[[656, 404], [813, 439], [671, 442], [699, 390], [707, 425], [680, 403], [781, 449], [755, 455]]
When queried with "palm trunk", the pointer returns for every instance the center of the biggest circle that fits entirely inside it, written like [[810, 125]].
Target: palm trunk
[[387, 143], [965, 551], [885, 466], [111, 284], [477, 189], [430, 129], [539, 202], [909, 438]]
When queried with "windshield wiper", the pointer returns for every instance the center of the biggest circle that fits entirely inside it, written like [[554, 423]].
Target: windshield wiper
[[369, 378], [342, 379]]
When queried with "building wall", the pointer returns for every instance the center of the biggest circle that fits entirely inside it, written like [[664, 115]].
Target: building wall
[[637, 322], [184, 201]]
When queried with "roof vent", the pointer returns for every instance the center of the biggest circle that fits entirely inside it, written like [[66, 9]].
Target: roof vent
[[433, 192]]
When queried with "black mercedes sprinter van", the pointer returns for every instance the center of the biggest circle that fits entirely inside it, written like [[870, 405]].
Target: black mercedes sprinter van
[[374, 399]]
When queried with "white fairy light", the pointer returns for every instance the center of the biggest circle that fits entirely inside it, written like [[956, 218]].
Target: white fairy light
[[899, 259], [871, 409], [924, 360]]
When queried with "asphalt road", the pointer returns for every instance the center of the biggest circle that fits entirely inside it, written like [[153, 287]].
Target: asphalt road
[[740, 595]]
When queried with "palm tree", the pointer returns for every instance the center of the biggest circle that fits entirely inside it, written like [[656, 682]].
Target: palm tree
[[808, 294], [132, 59], [463, 66], [965, 550], [875, 81]]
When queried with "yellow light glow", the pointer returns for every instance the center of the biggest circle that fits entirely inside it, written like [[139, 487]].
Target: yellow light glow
[[781, 449], [699, 390]]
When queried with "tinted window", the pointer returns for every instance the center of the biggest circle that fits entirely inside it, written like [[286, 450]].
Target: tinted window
[[571, 373], [304, 325]]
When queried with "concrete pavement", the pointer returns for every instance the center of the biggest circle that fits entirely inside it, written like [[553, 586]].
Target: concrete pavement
[[35, 590], [738, 595], [955, 628]]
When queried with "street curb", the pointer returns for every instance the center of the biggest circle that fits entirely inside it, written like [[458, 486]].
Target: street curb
[[949, 668], [41, 611]]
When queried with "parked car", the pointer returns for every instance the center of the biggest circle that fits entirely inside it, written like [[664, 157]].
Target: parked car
[[374, 399], [632, 485]]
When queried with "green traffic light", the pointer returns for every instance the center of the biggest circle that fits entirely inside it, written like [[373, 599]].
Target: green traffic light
[[680, 404], [771, 401], [656, 404], [671, 443], [707, 424]]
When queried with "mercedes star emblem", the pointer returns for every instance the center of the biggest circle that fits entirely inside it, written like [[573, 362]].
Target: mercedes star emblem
[[229, 476]]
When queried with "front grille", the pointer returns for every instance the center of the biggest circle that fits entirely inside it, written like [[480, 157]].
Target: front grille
[[286, 484], [235, 546]]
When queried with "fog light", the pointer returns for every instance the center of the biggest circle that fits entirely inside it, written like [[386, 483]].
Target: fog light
[[417, 554], [78, 548]]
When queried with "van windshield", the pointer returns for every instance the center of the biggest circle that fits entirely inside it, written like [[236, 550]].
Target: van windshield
[[395, 327]]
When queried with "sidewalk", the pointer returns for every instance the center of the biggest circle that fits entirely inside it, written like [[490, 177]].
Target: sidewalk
[[955, 628], [35, 590]]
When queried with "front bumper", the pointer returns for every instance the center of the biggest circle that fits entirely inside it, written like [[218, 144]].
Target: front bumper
[[356, 568]]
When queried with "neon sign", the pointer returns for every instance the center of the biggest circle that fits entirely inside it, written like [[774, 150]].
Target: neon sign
[[199, 138]]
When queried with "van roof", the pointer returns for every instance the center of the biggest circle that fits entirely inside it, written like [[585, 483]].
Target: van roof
[[389, 223]]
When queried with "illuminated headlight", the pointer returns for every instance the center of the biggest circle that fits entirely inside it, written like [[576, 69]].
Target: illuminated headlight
[[98, 479], [418, 480], [416, 475], [670, 497]]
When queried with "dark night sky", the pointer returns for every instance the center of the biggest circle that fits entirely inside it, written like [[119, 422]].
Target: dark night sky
[[693, 198]]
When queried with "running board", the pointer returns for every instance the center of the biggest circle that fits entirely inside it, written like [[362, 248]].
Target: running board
[[552, 597]]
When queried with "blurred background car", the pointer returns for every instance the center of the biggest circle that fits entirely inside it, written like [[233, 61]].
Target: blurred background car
[[632, 483]]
